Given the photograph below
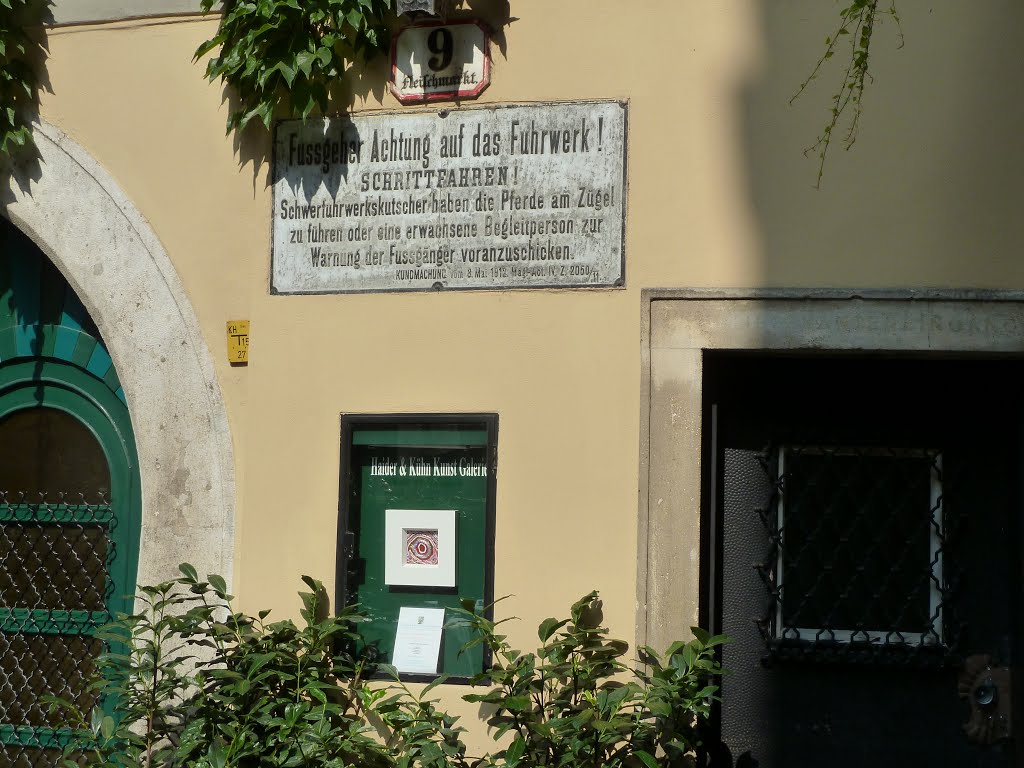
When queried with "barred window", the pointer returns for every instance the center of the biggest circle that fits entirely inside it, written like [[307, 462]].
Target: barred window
[[858, 551]]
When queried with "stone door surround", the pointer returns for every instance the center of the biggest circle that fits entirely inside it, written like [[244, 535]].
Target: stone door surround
[[678, 326]]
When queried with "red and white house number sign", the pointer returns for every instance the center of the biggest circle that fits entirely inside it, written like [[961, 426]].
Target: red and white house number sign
[[438, 61]]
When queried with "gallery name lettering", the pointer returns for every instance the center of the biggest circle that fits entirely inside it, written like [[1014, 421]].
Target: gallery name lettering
[[420, 467]]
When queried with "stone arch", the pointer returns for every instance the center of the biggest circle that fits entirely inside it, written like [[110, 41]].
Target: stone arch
[[81, 219]]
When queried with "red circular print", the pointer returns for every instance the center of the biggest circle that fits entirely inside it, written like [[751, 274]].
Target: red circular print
[[421, 547]]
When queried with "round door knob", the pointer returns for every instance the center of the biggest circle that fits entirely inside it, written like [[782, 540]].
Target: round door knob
[[986, 694]]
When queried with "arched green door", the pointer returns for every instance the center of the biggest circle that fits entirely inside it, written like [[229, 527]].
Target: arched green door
[[69, 499]]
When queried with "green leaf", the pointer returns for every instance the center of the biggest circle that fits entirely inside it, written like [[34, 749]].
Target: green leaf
[[206, 47], [96, 720], [647, 758], [518, 703], [217, 754], [304, 62], [702, 635], [548, 627], [581, 605], [439, 680], [660, 708], [189, 572], [317, 694], [515, 751]]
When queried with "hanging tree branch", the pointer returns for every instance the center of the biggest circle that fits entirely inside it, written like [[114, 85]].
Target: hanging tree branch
[[856, 28]]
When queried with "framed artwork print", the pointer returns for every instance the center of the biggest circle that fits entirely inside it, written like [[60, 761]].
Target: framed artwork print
[[419, 547]]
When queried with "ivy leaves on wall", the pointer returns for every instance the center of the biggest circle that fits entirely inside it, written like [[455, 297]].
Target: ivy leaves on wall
[[852, 37], [19, 83], [284, 56]]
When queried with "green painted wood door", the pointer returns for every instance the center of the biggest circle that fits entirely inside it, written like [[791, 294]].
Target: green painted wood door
[[69, 500]]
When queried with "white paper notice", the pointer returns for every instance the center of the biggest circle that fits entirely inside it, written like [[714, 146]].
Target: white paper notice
[[418, 640]]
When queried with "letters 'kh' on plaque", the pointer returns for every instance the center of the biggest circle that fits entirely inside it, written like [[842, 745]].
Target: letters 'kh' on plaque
[[494, 197], [436, 61], [238, 342]]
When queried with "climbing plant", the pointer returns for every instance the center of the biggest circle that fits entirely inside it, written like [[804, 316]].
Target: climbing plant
[[282, 57], [19, 82], [852, 37]]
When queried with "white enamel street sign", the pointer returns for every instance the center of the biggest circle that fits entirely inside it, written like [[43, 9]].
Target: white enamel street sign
[[436, 61], [485, 198]]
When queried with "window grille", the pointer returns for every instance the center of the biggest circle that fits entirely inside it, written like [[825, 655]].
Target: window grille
[[55, 561], [859, 565]]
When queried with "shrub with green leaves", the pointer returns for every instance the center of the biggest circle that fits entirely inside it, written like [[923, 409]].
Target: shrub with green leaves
[[140, 684], [575, 702], [420, 733], [19, 83], [189, 681], [285, 56]]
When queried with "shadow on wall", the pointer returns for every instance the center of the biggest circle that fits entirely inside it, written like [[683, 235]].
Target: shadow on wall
[[367, 85], [931, 192]]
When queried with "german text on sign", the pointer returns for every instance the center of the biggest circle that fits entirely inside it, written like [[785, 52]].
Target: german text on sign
[[496, 197]]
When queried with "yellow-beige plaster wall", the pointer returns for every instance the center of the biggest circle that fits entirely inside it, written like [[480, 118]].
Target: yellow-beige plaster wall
[[720, 194]]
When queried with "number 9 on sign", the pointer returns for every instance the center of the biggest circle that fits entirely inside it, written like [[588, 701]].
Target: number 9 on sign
[[442, 45]]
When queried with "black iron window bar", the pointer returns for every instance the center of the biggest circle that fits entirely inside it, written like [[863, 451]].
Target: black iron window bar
[[56, 554], [859, 565]]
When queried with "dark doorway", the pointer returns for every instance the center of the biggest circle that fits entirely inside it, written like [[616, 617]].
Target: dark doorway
[[861, 549]]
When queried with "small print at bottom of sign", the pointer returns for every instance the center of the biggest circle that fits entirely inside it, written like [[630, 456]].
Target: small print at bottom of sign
[[418, 640]]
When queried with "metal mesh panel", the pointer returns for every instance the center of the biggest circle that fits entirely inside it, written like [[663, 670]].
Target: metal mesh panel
[[55, 567], [32, 757], [33, 665], [859, 565], [56, 555]]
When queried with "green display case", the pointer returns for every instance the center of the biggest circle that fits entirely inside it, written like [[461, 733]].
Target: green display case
[[397, 470]]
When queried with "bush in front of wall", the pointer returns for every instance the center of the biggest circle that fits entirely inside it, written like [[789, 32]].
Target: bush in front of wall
[[189, 681], [575, 702]]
